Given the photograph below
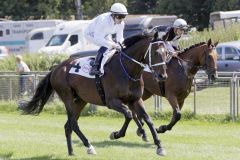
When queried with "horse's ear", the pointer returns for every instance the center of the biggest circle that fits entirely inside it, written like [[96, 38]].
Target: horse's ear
[[215, 44], [209, 42]]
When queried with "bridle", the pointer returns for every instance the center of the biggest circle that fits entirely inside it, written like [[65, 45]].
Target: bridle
[[143, 65], [205, 66]]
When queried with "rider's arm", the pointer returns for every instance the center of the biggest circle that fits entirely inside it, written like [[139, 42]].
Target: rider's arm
[[100, 33], [119, 31], [175, 44]]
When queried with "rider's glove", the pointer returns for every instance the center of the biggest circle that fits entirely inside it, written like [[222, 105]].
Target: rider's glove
[[117, 47], [175, 54]]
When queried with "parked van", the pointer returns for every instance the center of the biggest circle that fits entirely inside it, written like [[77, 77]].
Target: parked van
[[137, 24], [228, 56], [38, 38], [68, 38], [13, 33]]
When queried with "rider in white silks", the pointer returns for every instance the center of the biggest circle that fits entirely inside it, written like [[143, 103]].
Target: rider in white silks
[[172, 35], [100, 32]]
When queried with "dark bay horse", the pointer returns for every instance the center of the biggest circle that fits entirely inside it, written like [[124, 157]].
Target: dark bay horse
[[122, 84], [181, 71]]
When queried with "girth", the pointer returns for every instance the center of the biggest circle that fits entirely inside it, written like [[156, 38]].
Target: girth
[[100, 88]]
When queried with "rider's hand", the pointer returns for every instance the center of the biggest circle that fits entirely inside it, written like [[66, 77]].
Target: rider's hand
[[175, 54], [117, 47]]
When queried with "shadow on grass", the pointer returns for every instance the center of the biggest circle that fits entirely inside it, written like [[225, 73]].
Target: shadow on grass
[[47, 157], [110, 143], [6, 155]]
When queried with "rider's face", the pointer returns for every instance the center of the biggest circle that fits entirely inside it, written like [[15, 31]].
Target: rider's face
[[119, 18], [179, 31]]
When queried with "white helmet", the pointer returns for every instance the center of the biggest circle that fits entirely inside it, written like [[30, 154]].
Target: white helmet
[[119, 8], [180, 23]]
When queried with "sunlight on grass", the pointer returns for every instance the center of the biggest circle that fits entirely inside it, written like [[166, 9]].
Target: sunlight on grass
[[42, 138]]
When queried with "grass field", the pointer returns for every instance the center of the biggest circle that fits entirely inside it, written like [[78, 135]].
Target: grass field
[[42, 138]]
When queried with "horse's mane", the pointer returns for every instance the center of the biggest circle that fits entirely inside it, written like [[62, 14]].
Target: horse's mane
[[134, 39], [192, 46]]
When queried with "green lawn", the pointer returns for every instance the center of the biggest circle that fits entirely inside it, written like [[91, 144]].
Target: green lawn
[[42, 138]]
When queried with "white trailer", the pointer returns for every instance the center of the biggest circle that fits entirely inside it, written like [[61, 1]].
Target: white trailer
[[68, 38], [13, 33], [37, 38], [223, 18]]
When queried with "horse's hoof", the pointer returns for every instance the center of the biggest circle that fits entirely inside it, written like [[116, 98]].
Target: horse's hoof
[[161, 129], [71, 154], [91, 150], [161, 151], [145, 139], [139, 132], [112, 135]]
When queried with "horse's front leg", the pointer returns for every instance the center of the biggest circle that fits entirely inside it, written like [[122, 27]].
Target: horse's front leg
[[175, 117], [118, 106], [143, 114]]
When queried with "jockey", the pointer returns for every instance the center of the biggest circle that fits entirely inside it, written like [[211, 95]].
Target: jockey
[[172, 35], [100, 32]]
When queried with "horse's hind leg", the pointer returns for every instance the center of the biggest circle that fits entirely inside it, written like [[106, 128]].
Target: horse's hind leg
[[73, 114], [78, 106]]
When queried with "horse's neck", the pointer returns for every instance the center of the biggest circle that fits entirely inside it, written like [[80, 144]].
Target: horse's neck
[[191, 57], [136, 52]]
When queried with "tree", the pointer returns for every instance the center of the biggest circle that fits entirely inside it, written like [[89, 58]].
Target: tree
[[92, 8], [28, 9], [195, 12], [142, 6]]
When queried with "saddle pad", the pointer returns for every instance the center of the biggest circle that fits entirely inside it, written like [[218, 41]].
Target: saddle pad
[[81, 66]]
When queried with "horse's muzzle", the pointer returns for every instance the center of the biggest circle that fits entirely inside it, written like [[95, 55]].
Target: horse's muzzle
[[212, 76]]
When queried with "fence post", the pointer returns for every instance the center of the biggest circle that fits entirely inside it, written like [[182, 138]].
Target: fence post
[[194, 97], [157, 103], [237, 96], [233, 97], [10, 88]]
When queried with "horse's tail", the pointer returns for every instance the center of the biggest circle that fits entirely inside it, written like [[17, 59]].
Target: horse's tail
[[42, 94]]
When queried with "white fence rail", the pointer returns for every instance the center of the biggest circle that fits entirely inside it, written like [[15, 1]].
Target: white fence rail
[[220, 97]]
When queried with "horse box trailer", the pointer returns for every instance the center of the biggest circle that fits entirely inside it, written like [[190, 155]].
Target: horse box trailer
[[37, 38], [13, 33], [68, 38]]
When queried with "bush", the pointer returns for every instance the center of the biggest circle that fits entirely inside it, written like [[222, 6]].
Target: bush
[[230, 33], [36, 62]]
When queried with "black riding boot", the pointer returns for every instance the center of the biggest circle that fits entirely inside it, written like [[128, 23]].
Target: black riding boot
[[97, 63]]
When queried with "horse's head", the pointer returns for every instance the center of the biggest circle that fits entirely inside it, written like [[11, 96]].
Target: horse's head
[[209, 59], [157, 57], [148, 49]]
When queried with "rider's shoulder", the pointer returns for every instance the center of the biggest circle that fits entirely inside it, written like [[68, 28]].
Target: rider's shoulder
[[164, 28]]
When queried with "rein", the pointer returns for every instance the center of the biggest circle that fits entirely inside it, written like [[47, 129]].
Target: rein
[[204, 67], [139, 63], [124, 69]]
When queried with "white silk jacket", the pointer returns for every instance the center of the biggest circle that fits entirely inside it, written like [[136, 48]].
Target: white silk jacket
[[101, 28]]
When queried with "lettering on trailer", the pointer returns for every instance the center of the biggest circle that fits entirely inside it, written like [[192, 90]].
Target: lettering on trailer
[[21, 31]]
